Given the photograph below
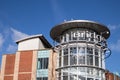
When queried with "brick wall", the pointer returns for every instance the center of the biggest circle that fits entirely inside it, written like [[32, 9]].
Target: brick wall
[[8, 78], [25, 64], [9, 65], [111, 76], [24, 76]]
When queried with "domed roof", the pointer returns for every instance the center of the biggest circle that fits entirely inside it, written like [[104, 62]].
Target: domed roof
[[60, 28]]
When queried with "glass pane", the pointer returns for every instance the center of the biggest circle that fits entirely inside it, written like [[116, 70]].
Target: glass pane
[[73, 77], [96, 52], [89, 59], [42, 63], [45, 63], [65, 77], [89, 78], [90, 71], [39, 78], [65, 52], [81, 71], [45, 78], [96, 61], [73, 50], [81, 50], [67, 37], [65, 61], [38, 64], [89, 50], [81, 77], [73, 59], [81, 59], [41, 60]]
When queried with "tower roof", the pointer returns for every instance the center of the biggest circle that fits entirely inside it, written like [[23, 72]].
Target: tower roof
[[60, 28]]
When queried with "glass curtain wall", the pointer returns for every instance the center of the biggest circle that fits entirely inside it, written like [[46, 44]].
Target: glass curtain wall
[[42, 65], [81, 56]]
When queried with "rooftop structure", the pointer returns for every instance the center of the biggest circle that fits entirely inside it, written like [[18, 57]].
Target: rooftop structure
[[86, 24]]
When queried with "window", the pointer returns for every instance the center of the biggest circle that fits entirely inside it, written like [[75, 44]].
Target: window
[[65, 51], [65, 62], [96, 61], [65, 75], [65, 57], [73, 59], [81, 77], [73, 77], [89, 50], [96, 52], [42, 78], [42, 63], [81, 59], [89, 59], [81, 50], [73, 55], [73, 50], [89, 78]]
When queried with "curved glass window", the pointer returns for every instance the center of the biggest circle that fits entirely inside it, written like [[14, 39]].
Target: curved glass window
[[80, 48], [65, 57], [80, 55], [80, 73]]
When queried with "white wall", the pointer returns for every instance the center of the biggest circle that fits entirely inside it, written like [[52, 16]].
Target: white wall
[[30, 44]]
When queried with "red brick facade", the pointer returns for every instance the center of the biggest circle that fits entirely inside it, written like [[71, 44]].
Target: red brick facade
[[8, 78], [18, 66], [24, 76], [25, 64], [111, 76], [10, 63]]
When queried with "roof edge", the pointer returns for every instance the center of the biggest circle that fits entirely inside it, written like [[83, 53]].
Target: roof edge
[[29, 37]]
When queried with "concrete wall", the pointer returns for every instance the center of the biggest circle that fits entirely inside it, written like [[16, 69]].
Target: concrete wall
[[30, 44], [52, 65]]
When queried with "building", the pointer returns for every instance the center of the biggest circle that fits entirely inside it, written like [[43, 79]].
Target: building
[[82, 45], [32, 61], [78, 54], [111, 76]]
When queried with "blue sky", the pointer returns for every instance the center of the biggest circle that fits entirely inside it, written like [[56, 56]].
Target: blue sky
[[21, 18]]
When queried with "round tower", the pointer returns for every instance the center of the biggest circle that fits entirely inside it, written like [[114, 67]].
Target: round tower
[[81, 49]]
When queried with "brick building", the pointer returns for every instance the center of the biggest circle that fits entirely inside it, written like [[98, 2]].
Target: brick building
[[32, 60]]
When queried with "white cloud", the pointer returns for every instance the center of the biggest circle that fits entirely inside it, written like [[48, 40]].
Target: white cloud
[[115, 46], [12, 48], [114, 27], [1, 40], [17, 34]]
